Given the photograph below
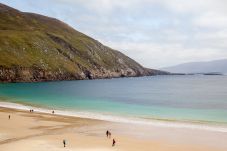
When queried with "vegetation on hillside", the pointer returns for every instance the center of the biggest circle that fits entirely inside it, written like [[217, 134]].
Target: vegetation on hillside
[[33, 44]]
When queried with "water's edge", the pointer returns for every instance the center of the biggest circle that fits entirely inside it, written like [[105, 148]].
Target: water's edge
[[118, 119]]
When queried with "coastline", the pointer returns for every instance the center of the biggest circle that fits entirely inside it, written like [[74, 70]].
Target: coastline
[[118, 119], [45, 131]]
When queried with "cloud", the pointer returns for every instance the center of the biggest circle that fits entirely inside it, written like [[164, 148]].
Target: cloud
[[156, 54], [211, 20], [155, 33]]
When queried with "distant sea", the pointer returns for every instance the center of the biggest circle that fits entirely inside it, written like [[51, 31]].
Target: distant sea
[[193, 99]]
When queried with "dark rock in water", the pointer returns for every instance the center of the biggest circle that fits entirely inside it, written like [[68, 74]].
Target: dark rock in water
[[39, 48]]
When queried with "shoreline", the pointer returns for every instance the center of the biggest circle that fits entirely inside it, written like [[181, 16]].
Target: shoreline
[[109, 78], [36, 131], [118, 119]]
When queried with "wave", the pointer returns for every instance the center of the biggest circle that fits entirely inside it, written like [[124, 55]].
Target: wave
[[111, 118]]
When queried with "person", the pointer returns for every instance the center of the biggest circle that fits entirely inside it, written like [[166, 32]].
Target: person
[[9, 117], [53, 112], [107, 133], [113, 142], [64, 142]]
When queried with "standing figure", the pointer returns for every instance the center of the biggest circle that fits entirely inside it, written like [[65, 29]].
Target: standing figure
[[107, 133], [9, 117], [64, 142], [114, 142]]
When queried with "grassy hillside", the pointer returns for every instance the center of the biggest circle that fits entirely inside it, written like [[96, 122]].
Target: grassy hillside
[[38, 48]]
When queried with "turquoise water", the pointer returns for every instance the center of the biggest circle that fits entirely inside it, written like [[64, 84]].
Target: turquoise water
[[181, 98]]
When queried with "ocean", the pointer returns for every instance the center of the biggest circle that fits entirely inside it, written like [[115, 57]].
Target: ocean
[[193, 99]]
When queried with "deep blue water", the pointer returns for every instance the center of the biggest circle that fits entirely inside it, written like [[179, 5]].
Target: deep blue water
[[183, 98]]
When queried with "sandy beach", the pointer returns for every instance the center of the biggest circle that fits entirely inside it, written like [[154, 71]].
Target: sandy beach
[[26, 131]]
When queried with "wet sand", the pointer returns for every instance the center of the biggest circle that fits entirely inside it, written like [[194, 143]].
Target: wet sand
[[27, 131]]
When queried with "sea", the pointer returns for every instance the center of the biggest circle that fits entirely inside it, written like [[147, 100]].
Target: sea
[[187, 101]]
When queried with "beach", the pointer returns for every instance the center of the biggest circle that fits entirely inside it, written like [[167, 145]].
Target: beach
[[127, 76], [26, 131]]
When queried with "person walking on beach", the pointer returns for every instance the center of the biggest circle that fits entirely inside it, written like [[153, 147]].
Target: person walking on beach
[[107, 133], [53, 112], [64, 142], [9, 117], [114, 142]]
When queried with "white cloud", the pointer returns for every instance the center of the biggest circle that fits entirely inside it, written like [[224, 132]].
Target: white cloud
[[212, 20], [155, 33], [166, 54]]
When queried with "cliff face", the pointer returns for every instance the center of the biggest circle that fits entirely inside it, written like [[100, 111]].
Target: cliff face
[[39, 48]]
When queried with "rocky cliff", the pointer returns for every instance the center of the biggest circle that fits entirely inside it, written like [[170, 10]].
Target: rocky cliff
[[39, 48]]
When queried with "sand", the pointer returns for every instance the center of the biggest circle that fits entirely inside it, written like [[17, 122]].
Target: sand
[[27, 131]]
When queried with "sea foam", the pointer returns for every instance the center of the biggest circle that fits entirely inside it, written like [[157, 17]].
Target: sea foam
[[111, 118]]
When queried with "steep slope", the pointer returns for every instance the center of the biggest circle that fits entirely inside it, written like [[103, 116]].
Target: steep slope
[[219, 66], [39, 48]]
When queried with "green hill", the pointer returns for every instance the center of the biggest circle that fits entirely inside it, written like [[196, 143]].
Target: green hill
[[39, 48]]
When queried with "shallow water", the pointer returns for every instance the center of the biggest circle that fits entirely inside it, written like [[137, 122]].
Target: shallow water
[[175, 98]]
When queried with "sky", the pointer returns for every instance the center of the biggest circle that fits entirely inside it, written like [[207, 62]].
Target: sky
[[155, 33]]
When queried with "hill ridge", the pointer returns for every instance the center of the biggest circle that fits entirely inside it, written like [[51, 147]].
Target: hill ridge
[[214, 66], [35, 47]]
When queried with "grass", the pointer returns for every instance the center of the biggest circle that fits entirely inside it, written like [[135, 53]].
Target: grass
[[25, 41]]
